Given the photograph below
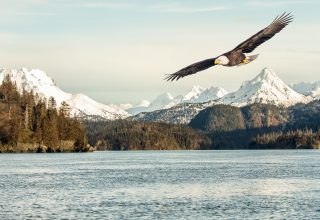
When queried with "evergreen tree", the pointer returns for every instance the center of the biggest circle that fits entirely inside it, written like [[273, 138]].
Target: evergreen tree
[[26, 119]]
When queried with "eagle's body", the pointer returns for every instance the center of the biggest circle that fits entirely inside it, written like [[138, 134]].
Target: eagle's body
[[237, 56]]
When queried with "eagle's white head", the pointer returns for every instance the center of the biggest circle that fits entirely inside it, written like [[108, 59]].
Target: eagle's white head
[[222, 60]]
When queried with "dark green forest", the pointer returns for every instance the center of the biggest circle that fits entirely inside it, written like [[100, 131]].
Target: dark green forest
[[133, 135], [261, 126], [297, 139], [29, 124]]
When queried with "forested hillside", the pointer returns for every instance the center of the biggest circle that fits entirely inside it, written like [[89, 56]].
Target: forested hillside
[[260, 126], [296, 139], [132, 135], [29, 124]]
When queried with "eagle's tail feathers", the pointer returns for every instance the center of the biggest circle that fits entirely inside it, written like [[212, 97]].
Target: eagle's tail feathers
[[248, 59]]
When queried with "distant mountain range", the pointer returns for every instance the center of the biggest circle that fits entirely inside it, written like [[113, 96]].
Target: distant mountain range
[[265, 88], [309, 89], [197, 94]]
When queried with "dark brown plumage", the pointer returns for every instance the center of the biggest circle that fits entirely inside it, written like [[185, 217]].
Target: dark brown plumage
[[237, 56]]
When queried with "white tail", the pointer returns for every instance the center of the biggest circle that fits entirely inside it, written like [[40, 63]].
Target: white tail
[[248, 59], [252, 58]]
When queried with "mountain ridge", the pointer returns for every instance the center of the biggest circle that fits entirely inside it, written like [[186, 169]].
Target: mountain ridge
[[197, 94], [80, 105], [265, 88]]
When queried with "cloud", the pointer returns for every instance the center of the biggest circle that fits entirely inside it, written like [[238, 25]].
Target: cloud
[[162, 8], [174, 8], [262, 3], [110, 5]]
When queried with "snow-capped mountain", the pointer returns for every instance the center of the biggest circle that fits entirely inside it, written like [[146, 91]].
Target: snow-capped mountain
[[37, 81], [206, 95], [266, 88], [140, 107], [121, 106], [179, 114], [197, 94], [40, 83], [309, 89], [163, 101], [85, 107], [193, 94]]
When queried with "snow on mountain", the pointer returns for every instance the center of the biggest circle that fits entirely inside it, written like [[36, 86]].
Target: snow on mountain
[[37, 81], [83, 106], [163, 101], [266, 88], [193, 94], [80, 105], [179, 114], [132, 108], [209, 94], [181, 109], [143, 103], [121, 106], [140, 107], [197, 94], [309, 89]]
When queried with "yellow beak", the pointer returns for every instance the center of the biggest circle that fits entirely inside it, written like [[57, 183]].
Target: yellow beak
[[216, 62]]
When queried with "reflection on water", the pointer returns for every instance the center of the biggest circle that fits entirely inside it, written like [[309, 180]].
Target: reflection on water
[[166, 185]]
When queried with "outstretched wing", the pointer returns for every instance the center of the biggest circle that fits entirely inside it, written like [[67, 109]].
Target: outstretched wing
[[275, 27], [192, 69]]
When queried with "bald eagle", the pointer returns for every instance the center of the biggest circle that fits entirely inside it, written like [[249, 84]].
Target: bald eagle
[[237, 57]]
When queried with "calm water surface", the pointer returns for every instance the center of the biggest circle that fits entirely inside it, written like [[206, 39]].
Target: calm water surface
[[161, 185]]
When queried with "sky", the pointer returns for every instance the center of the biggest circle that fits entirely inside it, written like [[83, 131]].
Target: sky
[[117, 51]]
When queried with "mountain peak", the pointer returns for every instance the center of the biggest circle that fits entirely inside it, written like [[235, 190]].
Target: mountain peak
[[266, 75], [40, 83], [193, 93], [197, 94], [197, 88], [143, 103], [35, 80], [165, 95], [266, 87]]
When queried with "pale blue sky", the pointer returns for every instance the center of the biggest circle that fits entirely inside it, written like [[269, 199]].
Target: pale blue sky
[[118, 51]]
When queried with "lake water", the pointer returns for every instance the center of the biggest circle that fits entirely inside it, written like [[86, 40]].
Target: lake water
[[161, 185]]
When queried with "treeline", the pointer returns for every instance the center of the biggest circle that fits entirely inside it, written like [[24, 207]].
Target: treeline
[[260, 126], [298, 139], [256, 126], [132, 135], [29, 124]]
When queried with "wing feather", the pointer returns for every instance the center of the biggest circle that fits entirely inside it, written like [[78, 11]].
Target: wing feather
[[192, 69], [262, 36]]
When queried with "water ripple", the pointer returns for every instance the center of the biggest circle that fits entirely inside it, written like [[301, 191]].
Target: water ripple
[[161, 185]]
